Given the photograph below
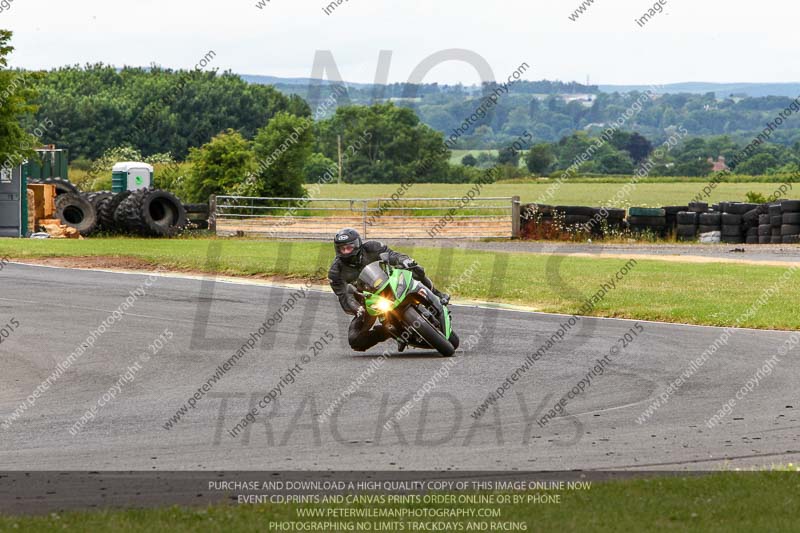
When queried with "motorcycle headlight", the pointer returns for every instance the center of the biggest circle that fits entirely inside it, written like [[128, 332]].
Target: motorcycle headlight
[[383, 305]]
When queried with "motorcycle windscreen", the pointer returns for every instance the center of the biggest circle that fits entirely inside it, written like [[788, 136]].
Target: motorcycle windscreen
[[373, 277]]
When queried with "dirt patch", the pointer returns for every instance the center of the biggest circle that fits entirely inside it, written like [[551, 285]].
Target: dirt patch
[[117, 263]]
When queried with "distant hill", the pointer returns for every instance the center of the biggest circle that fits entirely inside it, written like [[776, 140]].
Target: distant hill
[[274, 80], [721, 90]]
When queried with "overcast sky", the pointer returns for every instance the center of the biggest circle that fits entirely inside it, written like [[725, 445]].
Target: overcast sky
[[708, 40]]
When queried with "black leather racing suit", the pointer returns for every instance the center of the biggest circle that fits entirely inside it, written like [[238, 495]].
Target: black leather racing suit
[[361, 334]]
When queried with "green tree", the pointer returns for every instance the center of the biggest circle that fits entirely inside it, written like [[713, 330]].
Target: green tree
[[508, 156], [616, 163], [218, 166], [384, 143], [318, 167], [154, 109], [469, 161], [638, 147], [539, 158], [15, 94], [757, 165], [281, 148]]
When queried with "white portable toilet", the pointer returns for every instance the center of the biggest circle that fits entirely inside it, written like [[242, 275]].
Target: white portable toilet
[[131, 176]]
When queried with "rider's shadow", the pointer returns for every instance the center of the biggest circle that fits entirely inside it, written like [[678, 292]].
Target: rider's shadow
[[417, 354]]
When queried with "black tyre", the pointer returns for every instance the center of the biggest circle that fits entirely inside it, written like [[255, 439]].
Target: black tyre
[[751, 240], [731, 220], [708, 229], [775, 232], [647, 221], [710, 219], [790, 239], [790, 206], [101, 207], [752, 232], [775, 210], [739, 209], [686, 230], [686, 218], [576, 220], [731, 231], [776, 221], [751, 217], [107, 209], [698, 207], [454, 340], [432, 336], [152, 212], [790, 229], [76, 211], [765, 229], [763, 219], [776, 240], [615, 214], [764, 239], [96, 199], [791, 218], [675, 209], [62, 186]]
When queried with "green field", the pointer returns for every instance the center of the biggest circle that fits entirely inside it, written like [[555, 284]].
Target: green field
[[584, 193], [723, 503], [457, 155], [695, 293]]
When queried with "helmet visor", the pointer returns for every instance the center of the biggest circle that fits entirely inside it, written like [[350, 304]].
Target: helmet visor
[[346, 249]]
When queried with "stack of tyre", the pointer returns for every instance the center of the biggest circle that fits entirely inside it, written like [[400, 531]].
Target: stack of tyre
[[790, 221], [648, 220], [146, 212], [709, 222], [671, 213], [687, 225], [739, 222], [769, 225]]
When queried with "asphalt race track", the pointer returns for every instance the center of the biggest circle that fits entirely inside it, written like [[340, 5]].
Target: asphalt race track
[[57, 308]]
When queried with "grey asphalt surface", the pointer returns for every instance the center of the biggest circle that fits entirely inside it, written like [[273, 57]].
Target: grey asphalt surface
[[56, 309]]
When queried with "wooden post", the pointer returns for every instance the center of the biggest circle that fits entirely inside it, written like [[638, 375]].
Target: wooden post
[[339, 139], [515, 217], [212, 213]]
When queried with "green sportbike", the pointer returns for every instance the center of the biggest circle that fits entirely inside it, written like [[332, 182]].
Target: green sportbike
[[406, 308]]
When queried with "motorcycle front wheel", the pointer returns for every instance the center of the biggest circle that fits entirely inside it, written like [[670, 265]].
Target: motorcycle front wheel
[[432, 336]]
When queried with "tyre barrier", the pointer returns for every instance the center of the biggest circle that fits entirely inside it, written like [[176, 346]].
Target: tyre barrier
[[729, 222], [547, 222]]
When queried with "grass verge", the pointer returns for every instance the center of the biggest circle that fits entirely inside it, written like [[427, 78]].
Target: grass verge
[[717, 294], [724, 502]]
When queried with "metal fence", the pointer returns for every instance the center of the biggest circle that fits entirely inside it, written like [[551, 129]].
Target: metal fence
[[318, 218]]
